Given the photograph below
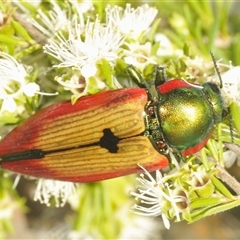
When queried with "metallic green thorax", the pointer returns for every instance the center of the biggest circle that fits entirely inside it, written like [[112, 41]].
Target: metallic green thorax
[[187, 115]]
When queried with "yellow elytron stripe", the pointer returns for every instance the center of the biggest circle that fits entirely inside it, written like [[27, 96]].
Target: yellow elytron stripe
[[96, 160], [86, 126]]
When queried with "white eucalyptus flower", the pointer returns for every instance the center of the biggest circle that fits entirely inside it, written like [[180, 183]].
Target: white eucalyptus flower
[[139, 55], [150, 194], [100, 42], [82, 50], [166, 47], [131, 22], [199, 67], [231, 84], [49, 24], [59, 190], [83, 6], [13, 83]]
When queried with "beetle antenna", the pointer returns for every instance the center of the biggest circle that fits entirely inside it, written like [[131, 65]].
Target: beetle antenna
[[231, 126], [217, 69], [221, 85]]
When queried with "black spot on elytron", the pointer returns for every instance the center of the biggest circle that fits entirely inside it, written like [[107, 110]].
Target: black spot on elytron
[[109, 141]]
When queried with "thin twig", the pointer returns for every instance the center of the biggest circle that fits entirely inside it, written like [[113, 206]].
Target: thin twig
[[228, 179]]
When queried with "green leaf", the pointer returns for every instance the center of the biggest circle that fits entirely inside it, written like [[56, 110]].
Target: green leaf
[[154, 29], [186, 49], [107, 72], [235, 114], [28, 51], [92, 87], [220, 186], [217, 209], [21, 31], [204, 159], [30, 7], [213, 148], [155, 48], [11, 39], [204, 202], [74, 98], [8, 118]]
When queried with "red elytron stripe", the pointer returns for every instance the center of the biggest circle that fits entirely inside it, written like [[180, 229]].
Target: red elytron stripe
[[36, 168], [196, 148], [174, 84]]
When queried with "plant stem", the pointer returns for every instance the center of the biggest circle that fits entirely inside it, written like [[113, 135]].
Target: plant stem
[[228, 179]]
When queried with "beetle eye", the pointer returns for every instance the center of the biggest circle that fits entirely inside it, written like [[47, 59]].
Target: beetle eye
[[214, 87]]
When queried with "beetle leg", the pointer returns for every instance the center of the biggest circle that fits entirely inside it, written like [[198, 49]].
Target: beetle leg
[[134, 74], [160, 76]]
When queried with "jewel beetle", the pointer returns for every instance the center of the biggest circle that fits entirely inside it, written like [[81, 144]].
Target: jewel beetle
[[109, 134]]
